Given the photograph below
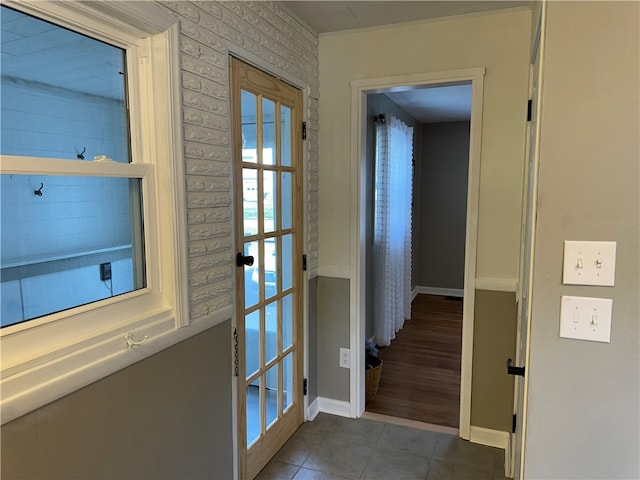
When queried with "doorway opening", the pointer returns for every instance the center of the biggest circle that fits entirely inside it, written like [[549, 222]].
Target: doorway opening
[[420, 377], [371, 98]]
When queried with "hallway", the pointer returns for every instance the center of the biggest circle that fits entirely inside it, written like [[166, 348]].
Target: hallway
[[421, 373], [338, 448]]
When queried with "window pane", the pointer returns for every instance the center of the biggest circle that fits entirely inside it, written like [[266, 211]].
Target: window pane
[[251, 275], [249, 128], [78, 242], [285, 152], [287, 382], [268, 132], [287, 322], [271, 333], [250, 201], [287, 261], [287, 200], [252, 342], [270, 202], [272, 395], [253, 412], [63, 94], [270, 268]]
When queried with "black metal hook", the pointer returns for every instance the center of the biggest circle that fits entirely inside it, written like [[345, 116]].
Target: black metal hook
[[38, 192], [81, 154]]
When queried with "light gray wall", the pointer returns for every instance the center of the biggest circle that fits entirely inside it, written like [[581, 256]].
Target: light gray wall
[[442, 189], [377, 104], [333, 334], [583, 418], [312, 380], [168, 416]]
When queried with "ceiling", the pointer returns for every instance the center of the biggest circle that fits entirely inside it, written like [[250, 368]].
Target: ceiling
[[435, 104], [332, 16], [426, 105], [40, 52], [37, 51]]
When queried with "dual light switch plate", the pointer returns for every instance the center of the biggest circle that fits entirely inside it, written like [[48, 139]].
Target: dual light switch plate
[[589, 263], [586, 318]]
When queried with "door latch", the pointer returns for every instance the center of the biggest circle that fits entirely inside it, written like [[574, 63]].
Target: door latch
[[514, 370], [242, 260]]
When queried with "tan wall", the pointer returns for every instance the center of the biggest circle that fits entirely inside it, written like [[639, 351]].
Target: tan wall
[[168, 416], [583, 417], [499, 42], [494, 341]]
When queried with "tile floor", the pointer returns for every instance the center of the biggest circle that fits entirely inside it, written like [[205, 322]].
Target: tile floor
[[337, 448]]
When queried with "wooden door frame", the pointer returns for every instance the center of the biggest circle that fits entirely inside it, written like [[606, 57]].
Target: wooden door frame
[[259, 63], [359, 90]]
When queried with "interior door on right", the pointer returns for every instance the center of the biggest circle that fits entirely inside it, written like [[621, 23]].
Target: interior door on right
[[526, 272]]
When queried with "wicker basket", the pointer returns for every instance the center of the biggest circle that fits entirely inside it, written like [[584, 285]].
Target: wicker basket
[[372, 379]]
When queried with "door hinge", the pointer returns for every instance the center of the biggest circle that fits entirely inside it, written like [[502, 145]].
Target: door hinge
[[304, 130], [304, 263], [529, 109], [514, 422], [304, 387]]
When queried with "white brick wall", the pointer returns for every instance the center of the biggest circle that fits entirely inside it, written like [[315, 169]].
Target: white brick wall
[[208, 31]]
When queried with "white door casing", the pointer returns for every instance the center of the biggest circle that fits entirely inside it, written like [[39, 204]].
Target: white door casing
[[359, 90]]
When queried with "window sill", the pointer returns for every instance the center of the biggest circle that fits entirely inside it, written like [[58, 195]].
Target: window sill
[[63, 375]]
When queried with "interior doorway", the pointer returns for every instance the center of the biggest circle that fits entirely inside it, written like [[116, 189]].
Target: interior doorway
[[420, 380], [361, 90]]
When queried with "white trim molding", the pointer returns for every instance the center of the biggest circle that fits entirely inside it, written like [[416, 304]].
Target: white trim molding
[[491, 438], [445, 292], [497, 284], [334, 407], [358, 246], [313, 410]]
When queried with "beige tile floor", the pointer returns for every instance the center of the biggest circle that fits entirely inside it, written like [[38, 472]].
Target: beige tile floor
[[336, 448]]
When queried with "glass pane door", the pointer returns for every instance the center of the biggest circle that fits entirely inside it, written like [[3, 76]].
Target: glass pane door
[[269, 229]]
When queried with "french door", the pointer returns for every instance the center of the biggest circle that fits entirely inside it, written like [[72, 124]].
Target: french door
[[266, 116]]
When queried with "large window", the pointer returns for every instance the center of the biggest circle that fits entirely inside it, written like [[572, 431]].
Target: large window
[[66, 240], [89, 133]]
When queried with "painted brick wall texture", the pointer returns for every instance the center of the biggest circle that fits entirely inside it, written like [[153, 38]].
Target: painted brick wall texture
[[209, 31]]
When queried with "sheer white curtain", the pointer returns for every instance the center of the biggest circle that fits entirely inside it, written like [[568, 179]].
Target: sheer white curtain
[[392, 231]]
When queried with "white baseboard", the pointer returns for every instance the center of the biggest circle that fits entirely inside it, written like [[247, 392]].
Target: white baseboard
[[414, 293], [313, 410], [491, 438], [445, 292], [334, 407]]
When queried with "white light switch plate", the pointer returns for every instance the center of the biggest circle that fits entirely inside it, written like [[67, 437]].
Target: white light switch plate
[[585, 318], [589, 263]]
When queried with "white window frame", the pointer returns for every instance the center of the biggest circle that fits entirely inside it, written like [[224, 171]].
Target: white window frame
[[44, 359]]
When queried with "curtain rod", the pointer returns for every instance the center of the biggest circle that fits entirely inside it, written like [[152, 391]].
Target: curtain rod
[[379, 118]]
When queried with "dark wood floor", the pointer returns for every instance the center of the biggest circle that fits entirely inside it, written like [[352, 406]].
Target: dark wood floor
[[421, 371]]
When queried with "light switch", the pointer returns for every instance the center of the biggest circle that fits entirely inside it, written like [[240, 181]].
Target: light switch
[[589, 263], [586, 318]]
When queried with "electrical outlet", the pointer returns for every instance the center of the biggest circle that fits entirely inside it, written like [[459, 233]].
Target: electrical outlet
[[345, 358]]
